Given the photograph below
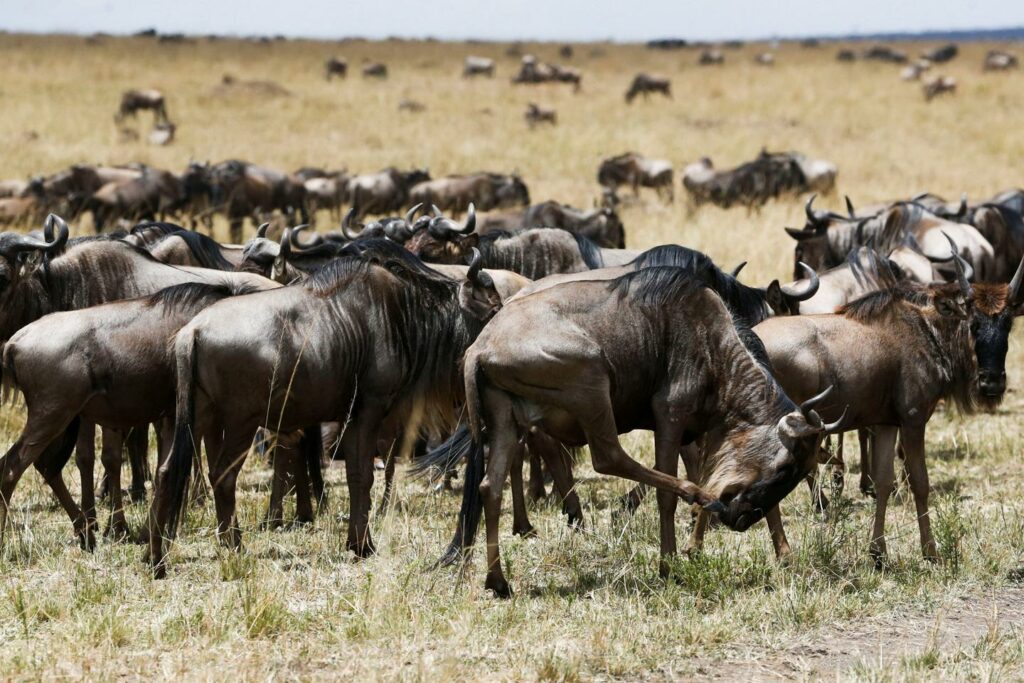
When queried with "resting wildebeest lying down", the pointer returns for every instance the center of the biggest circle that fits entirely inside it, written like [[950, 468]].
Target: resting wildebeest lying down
[[892, 356], [608, 357], [752, 184], [370, 341], [39, 277]]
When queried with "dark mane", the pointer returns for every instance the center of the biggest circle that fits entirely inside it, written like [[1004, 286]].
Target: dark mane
[[205, 249], [656, 287], [870, 269], [879, 303], [359, 256], [157, 226], [746, 302], [590, 252], [195, 295]]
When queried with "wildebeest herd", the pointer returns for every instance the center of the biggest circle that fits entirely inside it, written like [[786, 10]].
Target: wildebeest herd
[[492, 341]]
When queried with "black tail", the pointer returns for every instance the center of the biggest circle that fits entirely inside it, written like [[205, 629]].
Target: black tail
[[312, 452], [472, 503], [179, 460], [443, 460]]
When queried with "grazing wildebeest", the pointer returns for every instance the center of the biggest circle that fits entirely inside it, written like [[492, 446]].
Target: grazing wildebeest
[[636, 171], [645, 84], [752, 184], [383, 192], [133, 101], [375, 70], [828, 237], [711, 58], [478, 66], [883, 53], [152, 195], [941, 55], [335, 66], [536, 114], [327, 192], [454, 194], [368, 341], [240, 189], [765, 59], [39, 277], [846, 55], [914, 71], [998, 60], [602, 226], [610, 357], [893, 355], [939, 85], [533, 71]]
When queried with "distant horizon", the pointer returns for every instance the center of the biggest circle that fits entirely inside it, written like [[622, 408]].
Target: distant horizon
[[516, 20]]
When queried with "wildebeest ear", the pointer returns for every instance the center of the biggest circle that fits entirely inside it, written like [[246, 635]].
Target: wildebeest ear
[[951, 306], [469, 242], [775, 298], [480, 299]]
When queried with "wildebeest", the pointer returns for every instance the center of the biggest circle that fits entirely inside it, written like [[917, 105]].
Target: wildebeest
[[133, 101], [485, 190], [610, 357], [384, 192], [478, 66], [151, 195], [327, 192], [914, 71], [375, 70], [12, 188], [335, 66], [884, 53], [162, 134], [998, 60], [189, 248], [645, 84], [752, 184], [711, 58], [411, 106], [893, 355], [939, 85], [765, 59], [846, 55], [602, 226], [240, 189], [367, 341], [941, 55], [533, 71], [536, 114], [637, 171]]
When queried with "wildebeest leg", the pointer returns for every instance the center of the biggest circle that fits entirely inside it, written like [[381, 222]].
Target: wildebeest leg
[[778, 533], [111, 457], [700, 526], [632, 500], [838, 467], [535, 489], [226, 455], [560, 466], [520, 520], [883, 455], [389, 479], [867, 487], [912, 439], [235, 227], [282, 467], [358, 445], [85, 460], [668, 434], [138, 461], [300, 477], [503, 442]]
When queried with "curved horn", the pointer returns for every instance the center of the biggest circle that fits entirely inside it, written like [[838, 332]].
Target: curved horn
[[736, 271], [958, 264], [437, 211], [1015, 283], [286, 244], [837, 426], [807, 407], [810, 290], [470, 221], [294, 241], [475, 263], [849, 207], [48, 227], [810, 211], [346, 225], [962, 211], [262, 230], [412, 212], [26, 243]]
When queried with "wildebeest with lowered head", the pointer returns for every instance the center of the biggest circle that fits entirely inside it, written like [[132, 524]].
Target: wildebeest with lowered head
[[478, 66], [133, 101], [645, 84], [636, 171], [335, 66], [383, 192], [893, 355], [601, 226], [486, 191], [375, 70], [367, 340], [609, 357], [536, 114], [939, 85], [752, 184]]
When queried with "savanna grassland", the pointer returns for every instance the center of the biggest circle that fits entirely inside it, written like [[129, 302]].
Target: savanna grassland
[[293, 604]]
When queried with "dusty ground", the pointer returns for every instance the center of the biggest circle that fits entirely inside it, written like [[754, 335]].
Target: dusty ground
[[588, 606]]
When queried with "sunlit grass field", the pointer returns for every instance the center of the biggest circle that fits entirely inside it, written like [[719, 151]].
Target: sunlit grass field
[[294, 605]]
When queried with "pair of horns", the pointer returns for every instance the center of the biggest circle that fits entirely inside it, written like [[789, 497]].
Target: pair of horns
[[807, 409], [442, 227], [50, 244]]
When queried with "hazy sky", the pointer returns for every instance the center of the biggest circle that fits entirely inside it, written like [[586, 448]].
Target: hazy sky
[[622, 20]]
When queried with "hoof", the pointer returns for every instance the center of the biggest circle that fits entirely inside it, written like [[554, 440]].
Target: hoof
[[629, 503], [363, 551], [117, 532], [138, 495], [878, 556], [87, 539], [159, 571], [576, 521], [271, 524], [499, 586], [526, 531]]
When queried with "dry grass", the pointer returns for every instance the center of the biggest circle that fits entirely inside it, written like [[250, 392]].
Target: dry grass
[[591, 605]]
